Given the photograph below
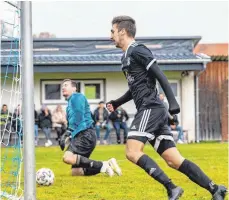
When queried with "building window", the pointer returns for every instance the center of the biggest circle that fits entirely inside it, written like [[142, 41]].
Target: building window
[[52, 93], [174, 86], [93, 90]]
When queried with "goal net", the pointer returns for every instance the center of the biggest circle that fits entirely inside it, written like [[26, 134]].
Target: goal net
[[11, 116]]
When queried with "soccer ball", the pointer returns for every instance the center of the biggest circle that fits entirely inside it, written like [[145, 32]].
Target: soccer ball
[[45, 176]]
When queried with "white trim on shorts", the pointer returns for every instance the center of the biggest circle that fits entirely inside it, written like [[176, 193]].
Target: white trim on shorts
[[160, 138], [151, 137], [141, 134]]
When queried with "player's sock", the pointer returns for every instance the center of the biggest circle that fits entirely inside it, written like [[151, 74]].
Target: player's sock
[[195, 174], [90, 171], [146, 163], [88, 163]]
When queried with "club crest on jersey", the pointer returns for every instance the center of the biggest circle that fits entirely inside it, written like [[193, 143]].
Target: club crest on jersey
[[129, 78]]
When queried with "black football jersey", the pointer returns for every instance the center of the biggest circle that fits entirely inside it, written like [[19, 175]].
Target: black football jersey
[[135, 64]]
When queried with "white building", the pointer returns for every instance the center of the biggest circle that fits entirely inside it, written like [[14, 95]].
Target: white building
[[95, 64]]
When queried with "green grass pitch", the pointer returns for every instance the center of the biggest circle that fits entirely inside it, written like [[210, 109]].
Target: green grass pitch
[[135, 184]]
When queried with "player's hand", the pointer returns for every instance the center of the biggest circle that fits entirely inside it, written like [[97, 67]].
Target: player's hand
[[111, 106], [65, 140], [174, 108], [173, 120]]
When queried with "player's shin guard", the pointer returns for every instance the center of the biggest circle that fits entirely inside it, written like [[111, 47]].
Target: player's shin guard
[[195, 174], [90, 171], [88, 163], [146, 163]]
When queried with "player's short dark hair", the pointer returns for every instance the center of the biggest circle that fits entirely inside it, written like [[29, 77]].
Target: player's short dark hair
[[127, 23], [73, 83]]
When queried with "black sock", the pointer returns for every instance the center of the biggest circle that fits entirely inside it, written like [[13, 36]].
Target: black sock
[[88, 163], [146, 163], [91, 171], [195, 174]]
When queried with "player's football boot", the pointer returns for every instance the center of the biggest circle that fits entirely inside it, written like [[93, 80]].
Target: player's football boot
[[106, 168], [220, 193], [114, 165], [175, 193]]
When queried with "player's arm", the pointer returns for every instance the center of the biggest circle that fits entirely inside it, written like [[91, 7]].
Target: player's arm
[[118, 102], [144, 56]]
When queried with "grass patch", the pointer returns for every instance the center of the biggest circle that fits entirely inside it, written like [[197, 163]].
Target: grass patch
[[135, 184]]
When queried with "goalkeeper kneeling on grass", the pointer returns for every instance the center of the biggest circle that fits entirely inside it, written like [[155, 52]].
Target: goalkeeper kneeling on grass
[[79, 140]]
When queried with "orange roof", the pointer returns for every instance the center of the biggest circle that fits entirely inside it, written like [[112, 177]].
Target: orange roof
[[212, 49]]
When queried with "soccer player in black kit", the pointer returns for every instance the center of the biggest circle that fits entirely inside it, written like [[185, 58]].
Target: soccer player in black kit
[[151, 121]]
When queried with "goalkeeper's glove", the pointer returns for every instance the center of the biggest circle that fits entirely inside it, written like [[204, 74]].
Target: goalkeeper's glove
[[65, 140]]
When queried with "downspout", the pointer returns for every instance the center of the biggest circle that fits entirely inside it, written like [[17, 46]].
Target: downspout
[[197, 104]]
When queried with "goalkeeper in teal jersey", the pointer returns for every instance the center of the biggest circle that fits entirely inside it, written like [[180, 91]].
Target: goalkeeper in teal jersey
[[79, 140]]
